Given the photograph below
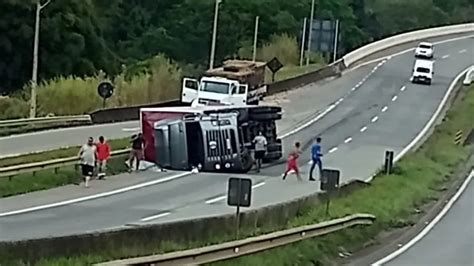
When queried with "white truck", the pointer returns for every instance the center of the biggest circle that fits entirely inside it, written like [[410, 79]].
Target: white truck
[[237, 82]]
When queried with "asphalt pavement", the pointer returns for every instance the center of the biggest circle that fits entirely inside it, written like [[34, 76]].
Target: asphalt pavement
[[376, 108], [450, 242]]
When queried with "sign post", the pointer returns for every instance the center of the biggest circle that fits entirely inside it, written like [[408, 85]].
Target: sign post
[[388, 162], [105, 91], [274, 65], [239, 194], [329, 184]]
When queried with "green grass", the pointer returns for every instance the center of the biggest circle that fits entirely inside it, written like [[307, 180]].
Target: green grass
[[48, 179], [116, 144], [392, 199]]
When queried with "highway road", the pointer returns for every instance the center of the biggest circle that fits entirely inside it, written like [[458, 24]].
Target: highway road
[[450, 242], [376, 108]]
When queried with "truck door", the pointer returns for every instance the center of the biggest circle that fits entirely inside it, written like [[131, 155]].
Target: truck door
[[239, 95], [189, 90]]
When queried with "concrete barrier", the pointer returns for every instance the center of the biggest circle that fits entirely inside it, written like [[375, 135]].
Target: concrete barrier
[[469, 76], [418, 35]]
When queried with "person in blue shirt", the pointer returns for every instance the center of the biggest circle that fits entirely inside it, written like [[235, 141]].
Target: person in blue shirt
[[316, 154]]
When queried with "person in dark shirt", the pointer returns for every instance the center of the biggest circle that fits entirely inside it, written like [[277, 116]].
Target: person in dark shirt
[[138, 144], [316, 154]]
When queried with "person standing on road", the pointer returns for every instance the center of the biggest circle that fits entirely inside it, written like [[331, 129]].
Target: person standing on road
[[103, 155], [88, 157], [138, 145], [316, 154], [292, 164], [260, 149]]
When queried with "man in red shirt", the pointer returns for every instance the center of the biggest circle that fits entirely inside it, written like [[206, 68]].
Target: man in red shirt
[[292, 163], [103, 155]]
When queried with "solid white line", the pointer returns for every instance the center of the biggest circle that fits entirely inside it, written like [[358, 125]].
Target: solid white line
[[430, 226], [462, 51], [131, 129], [433, 118], [312, 121], [217, 199], [349, 139], [363, 129], [155, 217], [445, 56], [403, 88], [394, 98], [384, 109], [374, 119], [333, 150], [96, 196]]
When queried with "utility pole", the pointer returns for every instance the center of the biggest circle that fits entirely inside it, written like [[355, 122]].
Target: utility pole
[[310, 34], [303, 40], [255, 39], [34, 78], [336, 39], [214, 35]]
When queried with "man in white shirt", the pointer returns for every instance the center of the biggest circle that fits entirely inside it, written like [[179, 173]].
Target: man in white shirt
[[88, 157], [260, 149]]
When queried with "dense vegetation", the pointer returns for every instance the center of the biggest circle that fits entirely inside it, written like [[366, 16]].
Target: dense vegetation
[[81, 37]]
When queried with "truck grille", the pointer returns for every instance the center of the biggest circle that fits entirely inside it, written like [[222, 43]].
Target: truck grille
[[209, 102], [221, 144]]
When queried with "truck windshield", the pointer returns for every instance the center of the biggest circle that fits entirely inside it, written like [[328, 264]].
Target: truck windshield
[[215, 87], [422, 70]]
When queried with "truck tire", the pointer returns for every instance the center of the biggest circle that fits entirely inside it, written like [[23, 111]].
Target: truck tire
[[247, 162], [265, 109], [272, 156], [265, 116], [274, 147]]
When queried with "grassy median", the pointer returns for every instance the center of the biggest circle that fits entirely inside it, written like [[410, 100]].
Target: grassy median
[[393, 199], [46, 179]]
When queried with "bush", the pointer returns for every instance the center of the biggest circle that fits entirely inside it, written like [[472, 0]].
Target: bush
[[284, 47], [75, 95], [12, 108]]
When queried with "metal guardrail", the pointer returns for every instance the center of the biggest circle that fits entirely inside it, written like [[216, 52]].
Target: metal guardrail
[[469, 76], [14, 170], [248, 246], [45, 120]]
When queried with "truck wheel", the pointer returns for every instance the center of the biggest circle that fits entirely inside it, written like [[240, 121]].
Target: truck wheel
[[265, 116], [274, 147], [265, 109], [272, 156], [247, 162]]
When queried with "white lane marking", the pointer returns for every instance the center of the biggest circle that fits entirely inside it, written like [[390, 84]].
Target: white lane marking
[[131, 129], [374, 119], [385, 58], [353, 88], [403, 88], [333, 150], [217, 199], [445, 56], [161, 215], [349, 139], [462, 51], [363, 129], [96, 196], [394, 98], [428, 125], [384, 109], [430, 226]]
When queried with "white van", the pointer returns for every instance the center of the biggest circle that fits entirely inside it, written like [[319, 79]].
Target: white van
[[422, 72]]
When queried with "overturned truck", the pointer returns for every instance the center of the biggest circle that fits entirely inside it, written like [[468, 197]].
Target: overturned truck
[[210, 138]]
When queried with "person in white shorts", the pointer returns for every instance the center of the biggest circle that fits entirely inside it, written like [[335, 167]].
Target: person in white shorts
[[88, 157]]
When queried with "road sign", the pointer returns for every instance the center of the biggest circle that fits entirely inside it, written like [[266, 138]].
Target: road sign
[[105, 91], [274, 65], [239, 193]]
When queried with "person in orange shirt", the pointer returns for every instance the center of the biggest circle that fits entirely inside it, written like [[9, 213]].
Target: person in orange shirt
[[103, 155]]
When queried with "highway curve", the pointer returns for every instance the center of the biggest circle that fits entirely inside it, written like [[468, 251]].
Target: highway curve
[[378, 109], [450, 242]]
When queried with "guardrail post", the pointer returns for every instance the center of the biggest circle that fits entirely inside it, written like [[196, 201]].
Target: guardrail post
[[10, 178], [56, 170], [388, 162]]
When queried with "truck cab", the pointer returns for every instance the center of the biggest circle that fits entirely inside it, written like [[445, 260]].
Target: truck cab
[[237, 82], [214, 91]]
